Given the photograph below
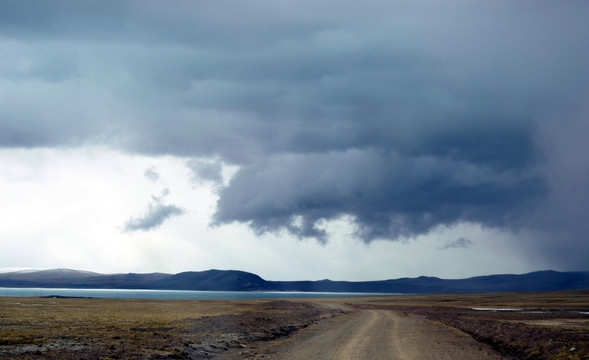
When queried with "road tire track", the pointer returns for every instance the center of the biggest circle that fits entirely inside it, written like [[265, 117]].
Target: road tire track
[[378, 335]]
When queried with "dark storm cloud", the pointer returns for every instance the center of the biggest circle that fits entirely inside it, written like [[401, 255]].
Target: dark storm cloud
[[460, 243], [156, 214], [388, 194], [401, 115]]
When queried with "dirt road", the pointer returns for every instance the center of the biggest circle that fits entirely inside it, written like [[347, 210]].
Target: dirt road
[[375, 334]]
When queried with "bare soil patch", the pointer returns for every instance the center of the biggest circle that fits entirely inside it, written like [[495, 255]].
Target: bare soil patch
[[375, 335], [539, 326]]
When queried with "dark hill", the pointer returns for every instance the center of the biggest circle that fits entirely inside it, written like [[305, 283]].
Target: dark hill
[[68, 278], [233, 280], [125, 281], [213, 280]]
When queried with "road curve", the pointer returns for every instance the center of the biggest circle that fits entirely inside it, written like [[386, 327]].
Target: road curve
[[379, 334]]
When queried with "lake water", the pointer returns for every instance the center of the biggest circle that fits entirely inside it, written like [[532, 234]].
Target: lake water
[[169, 294]]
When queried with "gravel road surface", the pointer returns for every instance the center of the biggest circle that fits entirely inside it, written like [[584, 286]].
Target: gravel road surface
[[375, 334]]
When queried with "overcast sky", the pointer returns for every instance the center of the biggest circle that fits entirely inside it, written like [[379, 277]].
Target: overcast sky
[[295, 139]]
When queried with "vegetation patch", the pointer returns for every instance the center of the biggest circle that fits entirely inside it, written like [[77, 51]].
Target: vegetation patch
[[144, 329]]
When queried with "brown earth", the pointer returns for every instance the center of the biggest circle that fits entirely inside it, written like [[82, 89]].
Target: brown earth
[[375, 335], [534, 326], [409, 327]]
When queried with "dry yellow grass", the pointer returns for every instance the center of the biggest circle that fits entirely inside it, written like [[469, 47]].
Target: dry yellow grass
[[66, 324], [558, 300], [66, 328]]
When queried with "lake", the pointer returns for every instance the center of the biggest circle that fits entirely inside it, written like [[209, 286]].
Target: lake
[[169, 294]]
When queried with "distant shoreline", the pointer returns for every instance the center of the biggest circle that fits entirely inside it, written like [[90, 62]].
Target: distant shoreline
[[169, 294]]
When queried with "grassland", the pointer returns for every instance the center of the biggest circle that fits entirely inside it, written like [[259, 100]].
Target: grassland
[[44, 328], [551, 327]]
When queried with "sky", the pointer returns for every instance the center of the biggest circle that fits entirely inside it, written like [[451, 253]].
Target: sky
[[295, 139]]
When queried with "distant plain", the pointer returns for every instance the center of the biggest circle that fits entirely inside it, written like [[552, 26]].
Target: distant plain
[[551, 325]]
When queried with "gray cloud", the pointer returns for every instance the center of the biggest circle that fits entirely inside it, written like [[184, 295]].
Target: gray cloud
[[403, 116], [460, 243], [390, 195], [206, 171], [152, 174], [155, 215]]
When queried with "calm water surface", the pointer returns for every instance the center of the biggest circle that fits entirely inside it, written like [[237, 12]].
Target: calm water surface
[[168, 294]]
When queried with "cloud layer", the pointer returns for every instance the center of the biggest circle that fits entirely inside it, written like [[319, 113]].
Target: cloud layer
[[157, 212], [402, 116], [460, 243]]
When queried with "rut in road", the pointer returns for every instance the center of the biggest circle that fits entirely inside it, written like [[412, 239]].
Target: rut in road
[[381, 334]]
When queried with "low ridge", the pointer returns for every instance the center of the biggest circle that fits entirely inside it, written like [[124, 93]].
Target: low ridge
[[235, 280]]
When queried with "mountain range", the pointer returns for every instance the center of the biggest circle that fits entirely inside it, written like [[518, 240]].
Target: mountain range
[[233, 280]]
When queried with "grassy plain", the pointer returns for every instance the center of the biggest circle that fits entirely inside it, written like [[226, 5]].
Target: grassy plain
[[552, 327], [67, 328]]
